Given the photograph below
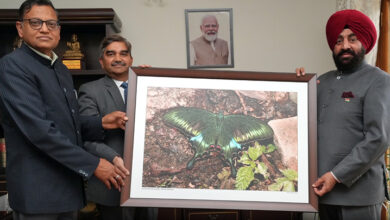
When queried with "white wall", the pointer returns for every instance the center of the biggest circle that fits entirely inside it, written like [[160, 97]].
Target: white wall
[[269, 35]]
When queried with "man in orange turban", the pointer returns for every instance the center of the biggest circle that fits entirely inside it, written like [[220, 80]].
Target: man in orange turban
[[353, 123]]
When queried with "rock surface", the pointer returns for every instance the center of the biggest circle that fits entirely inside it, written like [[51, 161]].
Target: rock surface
[[285, 138]]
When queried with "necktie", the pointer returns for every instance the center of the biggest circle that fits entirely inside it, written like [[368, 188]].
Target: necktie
[[124, 86]]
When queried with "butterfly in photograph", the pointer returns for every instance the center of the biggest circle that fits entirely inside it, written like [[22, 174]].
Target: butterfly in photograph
[[215, 132]]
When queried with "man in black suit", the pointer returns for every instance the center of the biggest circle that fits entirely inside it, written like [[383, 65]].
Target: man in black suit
[[46, 165], [101, 97]]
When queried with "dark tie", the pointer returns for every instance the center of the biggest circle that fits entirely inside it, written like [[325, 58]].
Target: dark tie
[[124, 86]]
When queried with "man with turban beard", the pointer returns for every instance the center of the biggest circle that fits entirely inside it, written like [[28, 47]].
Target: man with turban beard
[[353, 123]]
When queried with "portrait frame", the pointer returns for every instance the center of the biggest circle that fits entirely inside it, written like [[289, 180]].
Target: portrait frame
[[193, 20], [304, 200]]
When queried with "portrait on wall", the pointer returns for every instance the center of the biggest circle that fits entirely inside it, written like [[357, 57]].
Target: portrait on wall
[[208, 142], [209, 38]]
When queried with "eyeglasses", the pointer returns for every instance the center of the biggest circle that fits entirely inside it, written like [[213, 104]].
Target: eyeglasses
[[36, 24]]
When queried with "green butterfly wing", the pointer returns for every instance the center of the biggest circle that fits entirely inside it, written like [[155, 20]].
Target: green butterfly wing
[[241, 129], [193, 122]]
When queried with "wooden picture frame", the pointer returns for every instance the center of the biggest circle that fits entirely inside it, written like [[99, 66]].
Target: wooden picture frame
[[158, 155]]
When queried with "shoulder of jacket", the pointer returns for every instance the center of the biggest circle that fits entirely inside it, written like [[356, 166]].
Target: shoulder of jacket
[[326, 75], [93, 84]]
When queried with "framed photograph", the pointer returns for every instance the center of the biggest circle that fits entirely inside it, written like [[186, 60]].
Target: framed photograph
[[209, 38], [221, 139]]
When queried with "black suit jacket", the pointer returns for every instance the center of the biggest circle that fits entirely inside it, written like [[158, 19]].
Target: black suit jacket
[[98, 98], [42, 128]]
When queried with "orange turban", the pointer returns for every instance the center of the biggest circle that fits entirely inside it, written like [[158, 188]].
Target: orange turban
[[359, 23]]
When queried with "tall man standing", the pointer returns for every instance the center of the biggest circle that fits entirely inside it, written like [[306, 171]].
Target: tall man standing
[[353, 123], [208, 49], [101, 97], [46, 164]]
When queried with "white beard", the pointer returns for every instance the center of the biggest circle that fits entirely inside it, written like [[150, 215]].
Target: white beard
[[210, 37]]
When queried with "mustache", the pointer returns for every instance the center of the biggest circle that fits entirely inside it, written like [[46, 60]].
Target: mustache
[[118, 63], [349, 51], [211, 32]]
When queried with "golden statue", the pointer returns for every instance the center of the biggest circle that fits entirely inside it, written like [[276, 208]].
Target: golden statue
[[73, 52]]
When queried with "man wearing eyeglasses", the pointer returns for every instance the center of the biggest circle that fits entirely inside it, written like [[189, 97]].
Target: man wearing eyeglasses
[[46, 165]]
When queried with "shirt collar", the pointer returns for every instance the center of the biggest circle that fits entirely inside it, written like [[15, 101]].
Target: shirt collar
[[55, 57], [117, 82]]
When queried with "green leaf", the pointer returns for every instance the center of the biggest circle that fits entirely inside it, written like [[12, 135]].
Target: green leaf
[[281, 180], [282, 184], [275, 187], [255, 152], [288, 186], [270, 148], [292, 175], [244, 177], [262, 169], [245, 159], [252, 164]]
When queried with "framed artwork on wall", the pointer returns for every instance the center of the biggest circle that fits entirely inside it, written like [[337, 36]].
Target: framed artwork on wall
[[209, 38]]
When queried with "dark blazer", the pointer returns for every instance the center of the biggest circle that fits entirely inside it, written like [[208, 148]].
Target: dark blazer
[[46, 164], [98, 98], [354, 134]]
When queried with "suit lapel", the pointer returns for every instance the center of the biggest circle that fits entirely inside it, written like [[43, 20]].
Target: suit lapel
[[114, 92]]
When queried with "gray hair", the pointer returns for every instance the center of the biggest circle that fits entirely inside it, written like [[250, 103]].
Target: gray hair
[[208, 16], [114, 38]]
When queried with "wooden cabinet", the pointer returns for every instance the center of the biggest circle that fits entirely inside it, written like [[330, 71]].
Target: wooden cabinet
[[213, 214], [199, 214]]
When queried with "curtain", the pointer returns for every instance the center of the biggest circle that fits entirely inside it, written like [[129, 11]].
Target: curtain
[[371, 9], [383, 62], [383, 56]]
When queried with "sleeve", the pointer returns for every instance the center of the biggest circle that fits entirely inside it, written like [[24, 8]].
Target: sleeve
[[91, 128], [100, 149], [22, 101], [376, 112], [89, 108]]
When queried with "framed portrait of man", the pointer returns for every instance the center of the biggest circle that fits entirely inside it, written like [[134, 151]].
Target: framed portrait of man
[[209, 38]]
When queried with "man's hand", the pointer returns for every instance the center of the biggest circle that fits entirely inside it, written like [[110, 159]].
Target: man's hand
[[300, 71], [114, 120], [108, 174], [118, 163], [324, 184]]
